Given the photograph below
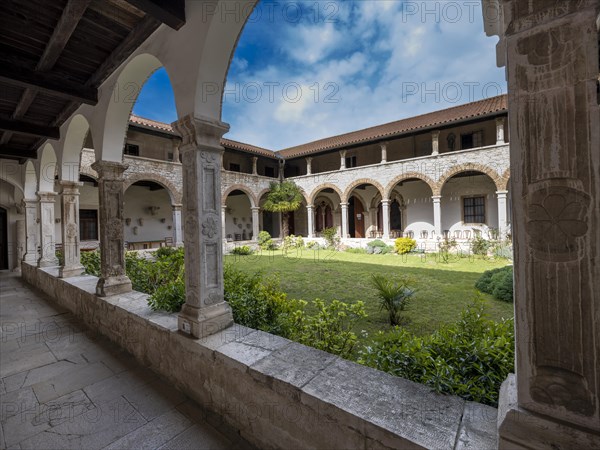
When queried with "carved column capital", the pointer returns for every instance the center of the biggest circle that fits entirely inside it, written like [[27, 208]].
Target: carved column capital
[[200, 133], [110, 170]]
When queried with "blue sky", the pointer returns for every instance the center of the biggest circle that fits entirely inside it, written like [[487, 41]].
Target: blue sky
[[307, 70]]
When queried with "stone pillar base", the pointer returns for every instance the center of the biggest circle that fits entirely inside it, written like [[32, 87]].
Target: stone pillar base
[[113, 286], [202, 322], [519, 428], [73, 271], [48, 262]]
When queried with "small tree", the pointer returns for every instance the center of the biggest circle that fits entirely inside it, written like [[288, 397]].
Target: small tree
[[283, 197]]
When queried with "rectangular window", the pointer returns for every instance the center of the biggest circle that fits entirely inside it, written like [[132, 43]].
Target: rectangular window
[[471, 140], [132, 150], [474, 210], [233, 167], [350, 161], [88, 224], [270, 172]]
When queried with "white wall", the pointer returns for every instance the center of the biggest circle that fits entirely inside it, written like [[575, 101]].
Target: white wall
[[136, 202], [418, 215], [238, 208]]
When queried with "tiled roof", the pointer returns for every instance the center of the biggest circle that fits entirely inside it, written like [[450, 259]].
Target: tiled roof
[[470, 110], [445, 116]]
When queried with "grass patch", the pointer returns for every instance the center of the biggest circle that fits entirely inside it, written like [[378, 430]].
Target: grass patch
[[444, 289]]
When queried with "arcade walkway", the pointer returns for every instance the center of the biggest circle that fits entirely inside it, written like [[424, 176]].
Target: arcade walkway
[[62, 386]]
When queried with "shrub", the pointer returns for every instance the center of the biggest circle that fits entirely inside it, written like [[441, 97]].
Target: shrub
[[469, 358], [378, 247], [394, 295], [242, 250], [291, 242], [497, 282], [446, 247], [313, 245], [479, 245], [329, 329], [265, 242], [331, 237], [91, 262], [168, 297], [164, 252], [404, 245]]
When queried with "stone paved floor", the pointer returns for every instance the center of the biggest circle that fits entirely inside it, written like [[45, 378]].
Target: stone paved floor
[[62, 386]]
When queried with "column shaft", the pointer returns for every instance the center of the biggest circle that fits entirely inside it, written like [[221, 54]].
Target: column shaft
[[31, 229], [502, 222], [385, 212], [435, 142], [205, 312], [344, 207], [383, 152], [177, 231], [310, 214], [255, 222], [113, 279], [71, 264], [500, 130], [47, 227], [437, 215]]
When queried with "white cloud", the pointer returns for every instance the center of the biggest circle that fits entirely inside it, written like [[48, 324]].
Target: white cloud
[[373, 55]]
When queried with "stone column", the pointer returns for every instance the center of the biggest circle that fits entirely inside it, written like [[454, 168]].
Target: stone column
[[47, 240], [21, 243], [254, 164], [205, 312], [437, 215], [552, 68], [383, 146], [113, 279], [500, 130], [309, 166], [255, 222], [502, 222], [344, 207], [223, 222], [385, 212], [435, 143], [177, 231], [31, 227], [70, 230], [176, 150], [342, 159], [310, 212]]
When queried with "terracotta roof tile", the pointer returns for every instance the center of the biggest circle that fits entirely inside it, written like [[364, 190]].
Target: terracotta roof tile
[[444, 116], [469, 110]]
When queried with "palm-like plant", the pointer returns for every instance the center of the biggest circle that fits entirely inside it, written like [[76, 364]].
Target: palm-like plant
[[394, 295], [283, 197]]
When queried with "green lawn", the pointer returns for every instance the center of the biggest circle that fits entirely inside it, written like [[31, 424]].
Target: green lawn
[[444, 289]]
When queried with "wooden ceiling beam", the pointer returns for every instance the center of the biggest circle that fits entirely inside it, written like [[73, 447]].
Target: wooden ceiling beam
[[48, 84], [169, 12], [28, 128], [13, 153], [67, 23]]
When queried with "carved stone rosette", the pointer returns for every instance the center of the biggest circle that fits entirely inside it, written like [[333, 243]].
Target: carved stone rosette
[[47, 240], [205, 311], [31, 230], [552, 57], [71, 264], [113, 279]]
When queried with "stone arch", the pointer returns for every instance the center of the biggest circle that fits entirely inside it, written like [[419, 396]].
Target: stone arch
[[313, 195], [261, 194], [126, 91], [12, 173], [47, 169], [239, 187], [174, 194], [30, 181], [405, 176], [505, 180], [468, 167], [70, 158], [356, 183]]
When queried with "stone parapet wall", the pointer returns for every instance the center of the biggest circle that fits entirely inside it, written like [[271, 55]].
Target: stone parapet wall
[[278, 393]]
